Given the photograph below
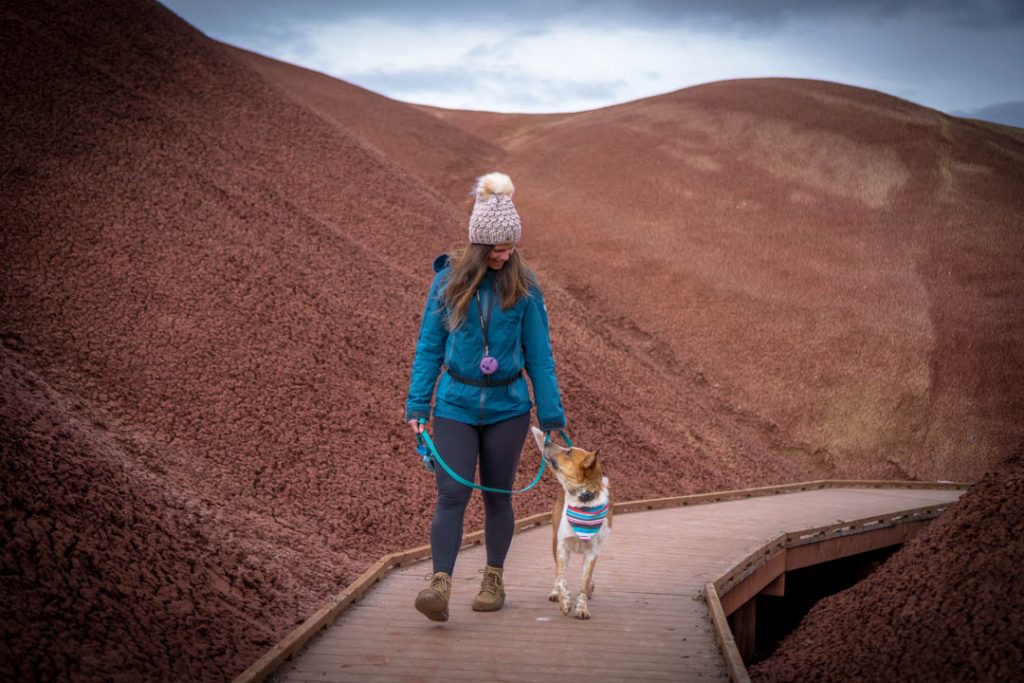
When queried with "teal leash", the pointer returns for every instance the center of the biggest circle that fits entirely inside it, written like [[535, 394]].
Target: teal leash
[[565, 437], [424, 438]]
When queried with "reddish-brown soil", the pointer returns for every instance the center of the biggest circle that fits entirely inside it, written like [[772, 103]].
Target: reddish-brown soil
[[110, 572], [214, 266], [949, 606]]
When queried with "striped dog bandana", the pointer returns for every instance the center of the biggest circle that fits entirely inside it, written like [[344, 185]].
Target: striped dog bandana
[[586, 522]]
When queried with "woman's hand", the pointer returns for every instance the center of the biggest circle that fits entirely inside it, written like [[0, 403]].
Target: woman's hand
[[416, 426]]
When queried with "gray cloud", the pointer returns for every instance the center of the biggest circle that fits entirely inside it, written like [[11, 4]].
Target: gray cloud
[[231, 17], [533, 93], [976, 13], [1009, 113]]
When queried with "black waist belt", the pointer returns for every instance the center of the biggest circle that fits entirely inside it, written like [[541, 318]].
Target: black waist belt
[[486, 381]]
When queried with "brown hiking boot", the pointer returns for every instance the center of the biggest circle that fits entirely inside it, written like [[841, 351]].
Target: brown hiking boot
[[492, 591], [432, 601]]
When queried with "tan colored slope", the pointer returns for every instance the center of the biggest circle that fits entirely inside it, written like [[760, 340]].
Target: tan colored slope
[[847, 262]]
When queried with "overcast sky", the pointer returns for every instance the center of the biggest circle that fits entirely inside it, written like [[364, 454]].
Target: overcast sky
[[962, 57]]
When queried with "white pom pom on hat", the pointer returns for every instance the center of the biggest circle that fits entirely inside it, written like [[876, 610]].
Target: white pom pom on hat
[[494, 219], [494, 183]]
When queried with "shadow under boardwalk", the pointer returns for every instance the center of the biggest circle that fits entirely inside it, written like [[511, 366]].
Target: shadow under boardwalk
[[650, 621]]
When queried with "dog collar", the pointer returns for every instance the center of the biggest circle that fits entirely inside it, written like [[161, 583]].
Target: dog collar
[[586, 521]]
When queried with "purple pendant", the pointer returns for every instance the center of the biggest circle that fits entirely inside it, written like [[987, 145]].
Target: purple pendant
[[489, 365]]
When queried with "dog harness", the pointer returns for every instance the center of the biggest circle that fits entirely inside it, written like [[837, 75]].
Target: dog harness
[[586, 521]]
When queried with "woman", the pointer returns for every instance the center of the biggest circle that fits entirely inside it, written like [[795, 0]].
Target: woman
[[485, 321]]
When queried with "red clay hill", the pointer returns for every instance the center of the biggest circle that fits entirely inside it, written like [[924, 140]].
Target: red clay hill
[[214, 266]]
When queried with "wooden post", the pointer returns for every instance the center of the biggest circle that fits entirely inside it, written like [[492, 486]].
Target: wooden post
[[744, 628]]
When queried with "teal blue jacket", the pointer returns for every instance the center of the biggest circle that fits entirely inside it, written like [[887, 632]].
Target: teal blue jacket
[[518, 340]]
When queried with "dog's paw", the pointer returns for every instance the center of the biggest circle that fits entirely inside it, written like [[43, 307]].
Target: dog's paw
[[558, 589], [565, 603], [581, 610]]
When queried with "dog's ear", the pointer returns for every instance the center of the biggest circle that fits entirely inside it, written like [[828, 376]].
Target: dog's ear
[[588, 460], [538, 436]]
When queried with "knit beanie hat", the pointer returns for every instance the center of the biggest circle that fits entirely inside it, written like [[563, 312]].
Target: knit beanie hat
[[494, 219]]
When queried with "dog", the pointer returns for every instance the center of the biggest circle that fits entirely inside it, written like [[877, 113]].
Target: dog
[[581, 521]]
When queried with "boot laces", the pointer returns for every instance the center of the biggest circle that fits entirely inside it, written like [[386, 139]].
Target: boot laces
[[440, 583], [490, 582]]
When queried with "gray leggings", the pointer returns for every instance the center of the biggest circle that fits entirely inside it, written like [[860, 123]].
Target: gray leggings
[[499, 447]]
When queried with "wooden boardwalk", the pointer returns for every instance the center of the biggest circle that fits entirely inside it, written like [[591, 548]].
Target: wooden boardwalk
[[650, 621]]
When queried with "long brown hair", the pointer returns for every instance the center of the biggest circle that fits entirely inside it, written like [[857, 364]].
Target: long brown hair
[[469, 266]]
